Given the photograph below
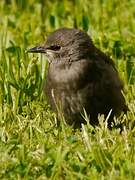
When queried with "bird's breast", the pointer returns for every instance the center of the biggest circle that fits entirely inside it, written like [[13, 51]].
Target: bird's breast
[[69, 76]]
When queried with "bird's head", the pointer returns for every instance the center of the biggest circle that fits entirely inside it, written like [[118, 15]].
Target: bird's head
[[65, 44]]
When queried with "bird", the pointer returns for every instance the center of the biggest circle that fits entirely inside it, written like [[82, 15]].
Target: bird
[[80, 77]]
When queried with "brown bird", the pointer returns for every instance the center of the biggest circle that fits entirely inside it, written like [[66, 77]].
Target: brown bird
[[80, 77]]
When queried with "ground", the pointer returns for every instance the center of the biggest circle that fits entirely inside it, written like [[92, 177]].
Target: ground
[[32, 146]]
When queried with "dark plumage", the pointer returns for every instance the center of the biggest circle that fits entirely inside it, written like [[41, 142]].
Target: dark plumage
[[80, 77]]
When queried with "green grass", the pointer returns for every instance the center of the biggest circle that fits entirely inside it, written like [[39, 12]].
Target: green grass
[[31, 144]]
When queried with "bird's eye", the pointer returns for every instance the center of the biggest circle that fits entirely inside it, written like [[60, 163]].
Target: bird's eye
[[54, 47]]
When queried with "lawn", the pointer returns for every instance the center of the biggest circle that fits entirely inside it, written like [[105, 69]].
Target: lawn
[[32, 146]]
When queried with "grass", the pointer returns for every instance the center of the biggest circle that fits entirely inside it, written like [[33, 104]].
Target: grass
[[31, 144]]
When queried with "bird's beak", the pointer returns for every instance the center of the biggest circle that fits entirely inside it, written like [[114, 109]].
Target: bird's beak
[[37, 49]]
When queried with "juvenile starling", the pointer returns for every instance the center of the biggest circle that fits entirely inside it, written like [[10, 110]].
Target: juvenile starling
[[80, 77]]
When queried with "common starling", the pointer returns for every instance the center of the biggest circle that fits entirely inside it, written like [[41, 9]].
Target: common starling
[[79, 77]]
